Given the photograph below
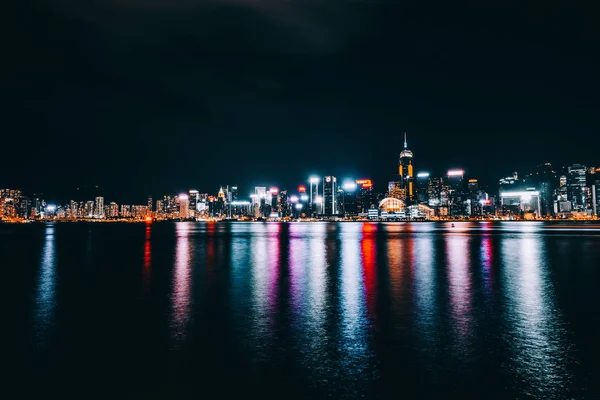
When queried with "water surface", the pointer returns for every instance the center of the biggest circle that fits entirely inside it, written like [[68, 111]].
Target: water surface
[[304, 310]]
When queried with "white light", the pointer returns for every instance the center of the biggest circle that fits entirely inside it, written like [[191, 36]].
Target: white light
[[456, 172], [349, 186], [423, 175], [304, 197], [298, 206], [523, 194], [294, 199], [314, 179], [183, 197], [50, 208]]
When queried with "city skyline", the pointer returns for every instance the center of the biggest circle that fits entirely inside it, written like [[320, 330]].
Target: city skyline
[[288, 90]]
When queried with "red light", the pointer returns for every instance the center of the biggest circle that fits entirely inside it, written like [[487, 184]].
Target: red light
[[274, 190], [302, 189], [367, 185], [364, 182]]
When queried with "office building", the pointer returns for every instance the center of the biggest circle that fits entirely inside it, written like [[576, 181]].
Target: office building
[[456, 195], [365, 196], [315, 200], [330, 195], [184, 206], [422, 183], [405, 170], [576, 187]]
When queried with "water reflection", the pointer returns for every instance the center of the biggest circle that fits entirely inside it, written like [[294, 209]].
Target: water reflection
[[536, 336], [45, 301], [262, 305], [147, 260], [368, 259], [459, 286], [355, 325], [182, 281], [426, 313]]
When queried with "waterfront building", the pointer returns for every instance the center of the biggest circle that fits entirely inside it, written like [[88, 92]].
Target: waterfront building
[[99, 207], [516, 203], [405, 170], [160, 210], [315, 206], [113, 210], [125, 211], [184, 206], [284, 206], [365, 196], [456, 195], [193, 202], [576, 187], [422, 187], [329, 195]]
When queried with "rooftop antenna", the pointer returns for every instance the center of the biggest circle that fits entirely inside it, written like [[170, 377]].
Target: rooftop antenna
[[405, 144]]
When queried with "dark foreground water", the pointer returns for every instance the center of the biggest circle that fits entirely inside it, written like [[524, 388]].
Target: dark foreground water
[[314, 310]]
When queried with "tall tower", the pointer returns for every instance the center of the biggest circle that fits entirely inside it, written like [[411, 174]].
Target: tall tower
[[405, 170]]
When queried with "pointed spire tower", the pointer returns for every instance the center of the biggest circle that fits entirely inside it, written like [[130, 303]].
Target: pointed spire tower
[[405, 169]]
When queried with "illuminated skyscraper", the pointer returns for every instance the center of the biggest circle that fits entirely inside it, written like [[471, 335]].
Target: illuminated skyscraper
[[576, 187], [315, 206], [329, 195], [365, 196], [456, 192], [184, 206], [405, 170], [99, 207], [193, 196], [422, 184]]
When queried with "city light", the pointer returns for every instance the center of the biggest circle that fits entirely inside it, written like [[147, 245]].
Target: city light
[[314, 179], [301, 189], [304, 197], [50, 208], [349, 186], [521, 194], [274, 190], [183, 197], [299, 206], [423, 175], [456, 172], [364, 182], [293, 199]]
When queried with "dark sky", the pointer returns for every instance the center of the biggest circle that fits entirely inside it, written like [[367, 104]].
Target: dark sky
[[155, 96]]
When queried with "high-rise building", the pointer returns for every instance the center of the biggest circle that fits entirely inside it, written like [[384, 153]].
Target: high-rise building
[[315, 200], [184, 206], [234, 193], [365, 196], [329, 195], [193, 199], [150, 203], [284, 205], [125, 211], [349, 199], [160, 207], [99, 207], [113, 210], [89, 209], [546, 181], [576, 187], [422, 186], [405, 170], [456, 192]]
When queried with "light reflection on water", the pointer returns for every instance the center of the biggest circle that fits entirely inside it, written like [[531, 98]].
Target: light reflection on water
[[459, 287], [182, 281], [535, 335], [45, 299]]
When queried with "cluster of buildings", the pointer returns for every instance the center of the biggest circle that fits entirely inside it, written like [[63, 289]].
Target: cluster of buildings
[[546, 193]]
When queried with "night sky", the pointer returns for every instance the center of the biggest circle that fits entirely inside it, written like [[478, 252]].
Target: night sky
[[156, 96]]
